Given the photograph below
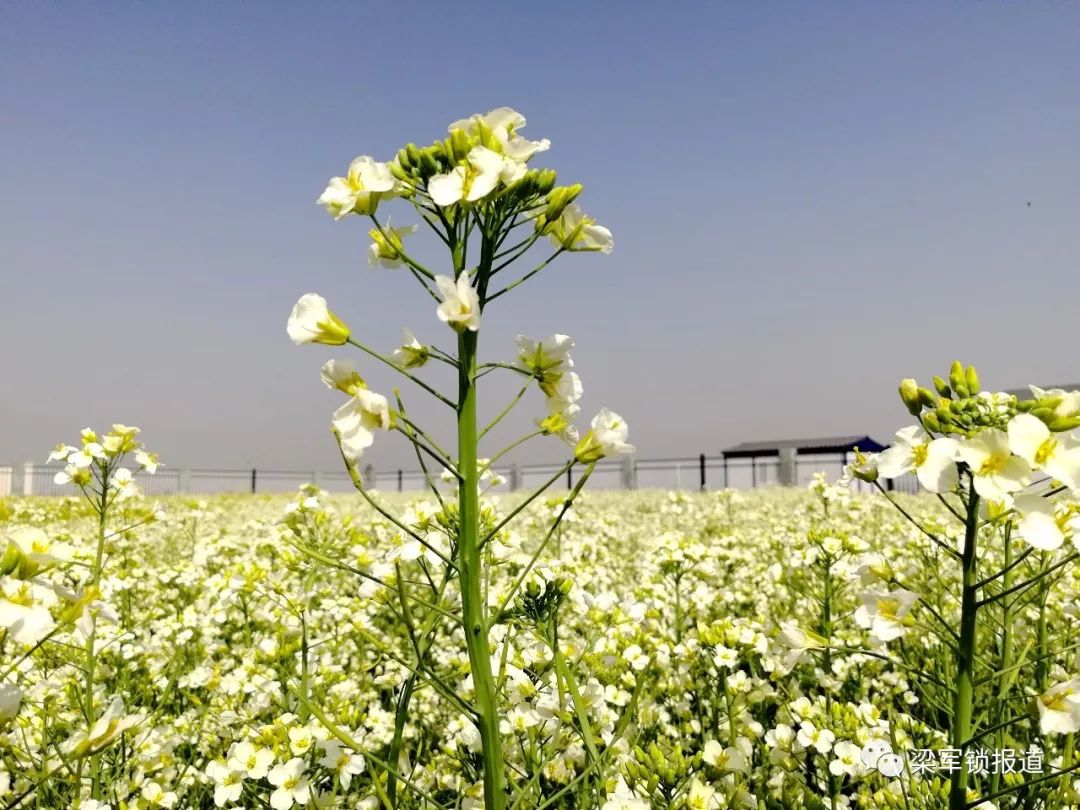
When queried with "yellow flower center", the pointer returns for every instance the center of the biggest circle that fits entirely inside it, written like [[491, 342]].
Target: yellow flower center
[[1058, 702], [992, 465], [919, 453], [887, 608], [1045, 451]]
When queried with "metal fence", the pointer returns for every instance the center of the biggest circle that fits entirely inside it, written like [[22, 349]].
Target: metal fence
[[692, 473]]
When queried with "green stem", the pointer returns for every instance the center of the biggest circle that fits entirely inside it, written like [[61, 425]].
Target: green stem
[[1005, 659], [964, 694], [488, 299], [579, 705], [472, 576], [401, 371], [508, 448]]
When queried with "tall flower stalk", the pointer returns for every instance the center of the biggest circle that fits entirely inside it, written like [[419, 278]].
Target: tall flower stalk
[[1005, 468], [475, 192]]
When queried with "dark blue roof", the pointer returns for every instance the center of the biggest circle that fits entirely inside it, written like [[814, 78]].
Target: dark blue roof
[[835, 444]]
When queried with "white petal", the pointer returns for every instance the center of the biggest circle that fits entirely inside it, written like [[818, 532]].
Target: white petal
[[447, 189], [1026, 435]]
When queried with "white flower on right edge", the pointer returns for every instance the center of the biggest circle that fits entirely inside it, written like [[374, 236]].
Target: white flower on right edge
[[1059, 708], [1055, 454], [932, 460], [1045, 523], [883, 612]]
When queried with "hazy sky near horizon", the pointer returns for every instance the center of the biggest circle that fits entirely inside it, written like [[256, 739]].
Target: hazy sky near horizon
[[809, 202]]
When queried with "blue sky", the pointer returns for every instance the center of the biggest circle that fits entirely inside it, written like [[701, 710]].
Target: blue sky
[[809, 202]]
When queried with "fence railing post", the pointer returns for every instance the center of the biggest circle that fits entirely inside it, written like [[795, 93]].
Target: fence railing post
[[515, 477], [569, 478], [628, 474], [701, 471], [28, 478], [400, 482], [786, 471], [183, 480], [254, 480]]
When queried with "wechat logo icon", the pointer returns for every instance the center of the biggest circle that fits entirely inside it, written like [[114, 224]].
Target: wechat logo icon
[[877, 755]]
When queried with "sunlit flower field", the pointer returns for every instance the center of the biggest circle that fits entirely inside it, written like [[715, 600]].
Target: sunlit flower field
[[249, 654]]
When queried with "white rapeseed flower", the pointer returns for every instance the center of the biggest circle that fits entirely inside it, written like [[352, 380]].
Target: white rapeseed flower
[[312, 322], [356, 420], [1059, 708], [474, 179], [341, 375], [606, 438], [932, 460], [412, 353], [291, 783], [883, 612], [360, 190], [387, 246], [997, 471], [503, 123], [542, 357], [461, 303], [1044, 523], [575, 231], [1056, 455]]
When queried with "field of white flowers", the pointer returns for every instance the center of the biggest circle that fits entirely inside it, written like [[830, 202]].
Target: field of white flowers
[[249, 655], [640, 651]]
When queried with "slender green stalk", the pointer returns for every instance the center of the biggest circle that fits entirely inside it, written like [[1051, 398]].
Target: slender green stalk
[[472, 576], [525, 277], [508, 448], [1005, 658], [567, 676], [964, 694], [401, 371]]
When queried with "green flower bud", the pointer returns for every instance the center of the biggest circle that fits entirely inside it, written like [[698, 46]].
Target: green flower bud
[[1043, 413], [412, 152], [558, 199], [545, 181], [927, 398], [942, 386], [972, 378], [458, 145], [398, 171], [1064, 424], [958, 379], [10, 561], [909, 395], [430, 158]]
